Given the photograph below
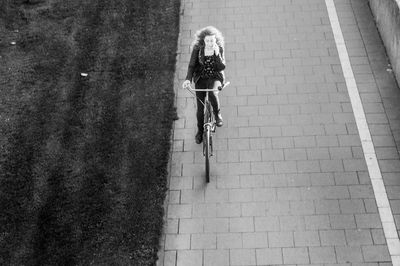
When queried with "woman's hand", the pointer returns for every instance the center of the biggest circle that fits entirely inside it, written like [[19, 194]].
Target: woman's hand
[[216, 49], [185, 84]]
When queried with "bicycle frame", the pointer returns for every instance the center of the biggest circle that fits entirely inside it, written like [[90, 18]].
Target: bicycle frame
[[209, 126]]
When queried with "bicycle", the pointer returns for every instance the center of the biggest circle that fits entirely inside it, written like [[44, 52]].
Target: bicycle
[[209, 126]]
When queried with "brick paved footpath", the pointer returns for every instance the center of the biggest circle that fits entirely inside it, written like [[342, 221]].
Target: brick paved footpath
[[289, 181]]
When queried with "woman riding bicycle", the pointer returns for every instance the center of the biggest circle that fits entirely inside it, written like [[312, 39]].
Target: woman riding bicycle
[[206, 66]]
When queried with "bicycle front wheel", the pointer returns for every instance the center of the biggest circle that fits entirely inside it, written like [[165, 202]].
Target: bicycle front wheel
[[207, 151]]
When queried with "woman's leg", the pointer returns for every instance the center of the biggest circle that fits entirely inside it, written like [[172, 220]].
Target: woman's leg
[[214, 99]]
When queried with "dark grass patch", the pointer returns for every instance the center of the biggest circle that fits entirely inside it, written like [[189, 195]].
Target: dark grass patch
[[84, 158]]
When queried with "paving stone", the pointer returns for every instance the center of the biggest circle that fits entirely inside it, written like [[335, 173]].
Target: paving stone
[[216, 257], [250, 156], [332, 237], [280, 239], [270, 131], [203, 241], [295, 154], [189, 226], [273, 155], [175, 241], [343, 221], [243, 257], [349, 140], [292, 223], [318, 153], [322, 179], [383, 153], [327, 141], [285, 167], [179, 211], [229, 240], [336, 192], [298, 180], [348, 178], [255, 240], [301, 119], [228, 210], [310, 166], [277, 208], [216, 225], [282, 142], [254, 209], [331, 165], [291, 131], [327, 206], [174, 196], [375, 253], [306, 239], [192, 196], [269, 256], [241, 195], [268, 109], [348, 254], [302, 207], [391, 179], [225, 156], [263, 224], [241, 168], [352, 206], [251, 181], [227, 182], [357, 152], [389, 166], [335, 129], [341, 152], [291, 193], [368, 221], [169, 258], [361, 191], [383, 141], [264, 194], [204, 210], [354, 165], [241, 224], [216, 195], [370, 206], [189, 258], [313, 130], [262, 168], [304, 142], [276, 180], [295, 255], [322, 255], [238, 144], [358, 237]]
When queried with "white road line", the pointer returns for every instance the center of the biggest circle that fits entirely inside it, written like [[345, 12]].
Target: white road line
[[375, 174]]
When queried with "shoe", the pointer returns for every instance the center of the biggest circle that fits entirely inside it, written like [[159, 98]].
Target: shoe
[[218, 119], [199, 137]]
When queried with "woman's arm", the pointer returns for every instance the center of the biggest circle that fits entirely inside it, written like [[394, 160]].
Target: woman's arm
[[220, 59], [192, 63]]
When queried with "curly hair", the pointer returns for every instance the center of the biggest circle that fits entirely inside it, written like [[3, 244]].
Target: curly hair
[[207, 31]]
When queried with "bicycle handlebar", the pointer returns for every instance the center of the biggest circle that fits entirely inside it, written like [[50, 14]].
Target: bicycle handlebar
[[189, 87]]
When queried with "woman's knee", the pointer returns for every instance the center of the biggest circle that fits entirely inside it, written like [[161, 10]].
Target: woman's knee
[[217, 84]]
